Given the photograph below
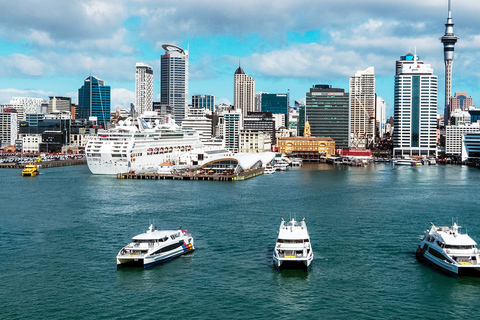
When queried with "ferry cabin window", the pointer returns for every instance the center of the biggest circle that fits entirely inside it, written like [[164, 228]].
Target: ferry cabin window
[[459, 247]]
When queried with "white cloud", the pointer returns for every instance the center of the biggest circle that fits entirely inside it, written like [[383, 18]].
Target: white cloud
[[7, 94], [122, 97]]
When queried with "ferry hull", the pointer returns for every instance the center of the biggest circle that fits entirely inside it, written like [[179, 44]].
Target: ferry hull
[[147, 262]]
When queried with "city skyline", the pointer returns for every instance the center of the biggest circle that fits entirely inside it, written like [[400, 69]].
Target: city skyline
[[49, 48]]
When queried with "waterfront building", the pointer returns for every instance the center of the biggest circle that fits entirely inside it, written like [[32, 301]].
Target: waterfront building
[[174, 80], [460, 102], [454, 137], [206, 101], [253, 141], [261, 122], [197, 120], [276, 103], [415, 108], [327, 111], [449, 39], [143, 88], [31, 143], [380, 117], [25, 105], [8, 128], [362, 109], [307, 147], [244, 92], [229, 125], [471, 146], [94, 100], [57, 104]]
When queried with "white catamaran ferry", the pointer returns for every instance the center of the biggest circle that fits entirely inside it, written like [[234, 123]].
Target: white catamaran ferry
[[140, 148], [293, 247], [155, 246]]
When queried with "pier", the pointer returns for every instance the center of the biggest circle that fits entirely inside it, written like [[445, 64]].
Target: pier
[[44, 164], [189, 175]]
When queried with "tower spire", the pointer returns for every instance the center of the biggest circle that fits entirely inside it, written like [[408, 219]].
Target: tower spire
[[448, 40]]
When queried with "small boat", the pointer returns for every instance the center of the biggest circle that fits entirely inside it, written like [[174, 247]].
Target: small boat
[[293, 247], [407, 162], [449, 250], [30, 170], [269, 169], [155, 246]]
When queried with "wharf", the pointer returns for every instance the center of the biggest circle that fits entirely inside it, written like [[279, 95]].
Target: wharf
[[45, 164], [188, 175]]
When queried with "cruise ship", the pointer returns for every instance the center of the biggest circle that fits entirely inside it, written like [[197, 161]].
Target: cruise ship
[[140, 146]]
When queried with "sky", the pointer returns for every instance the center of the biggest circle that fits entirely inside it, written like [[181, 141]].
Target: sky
[[50, 47]]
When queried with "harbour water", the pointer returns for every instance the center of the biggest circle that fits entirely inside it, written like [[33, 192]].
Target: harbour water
[[60, 233]]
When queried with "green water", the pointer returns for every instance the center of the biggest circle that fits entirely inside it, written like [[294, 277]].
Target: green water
[[60, 233]]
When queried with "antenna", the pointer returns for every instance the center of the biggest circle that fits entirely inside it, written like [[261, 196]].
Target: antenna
[[449, 10]]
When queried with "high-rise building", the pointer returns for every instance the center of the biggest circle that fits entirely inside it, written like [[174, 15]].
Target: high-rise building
[[415, 108], [143, 88], [380, 116], [327, 111], [230, 124], [449, 39], [204, 101], [197, 120], [362, 109], [94, 100], [460, 102], [174, 80], [274, 103], [57, 104], [8, 128], [244, 92]]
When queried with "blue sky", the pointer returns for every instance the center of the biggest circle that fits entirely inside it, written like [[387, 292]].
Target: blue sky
[[50, 47]]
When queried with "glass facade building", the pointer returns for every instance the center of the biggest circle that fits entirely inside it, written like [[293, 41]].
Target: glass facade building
[[94, 100], [327, 111], [274, 103], [203, 101]]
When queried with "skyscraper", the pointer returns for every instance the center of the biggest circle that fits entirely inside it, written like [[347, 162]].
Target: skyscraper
[[174, 80], [143, 88], [205, 101], [415, 108], [460, 101], [274, 103], [94, 100], [326, 110], [448, 40], [244, 92], [362, 109]]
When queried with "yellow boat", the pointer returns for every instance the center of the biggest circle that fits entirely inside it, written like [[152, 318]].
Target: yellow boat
[[30, 170]]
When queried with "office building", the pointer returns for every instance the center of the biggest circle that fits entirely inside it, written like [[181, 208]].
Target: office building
[[143, 88], [25, 105], [197, 120], [460, 102], [244, 92], [205, 101], [174, 80], [260, 122], [8, 128], [380, 117], [327, 111], [58, 104], [252, 141], [454, 135], [362, 109], [276, 103], [415, 108], [229, 125], [94, 100], [449, 39]]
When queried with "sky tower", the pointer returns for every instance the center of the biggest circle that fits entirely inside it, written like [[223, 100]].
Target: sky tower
[[448, 40]]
